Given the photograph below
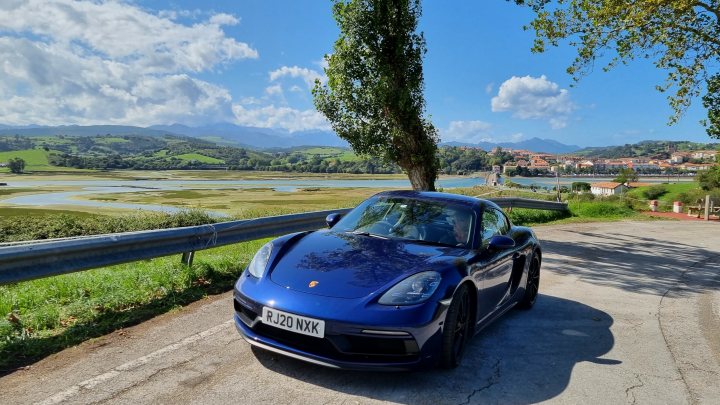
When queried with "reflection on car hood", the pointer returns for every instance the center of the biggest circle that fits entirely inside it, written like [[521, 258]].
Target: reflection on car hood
[[346, 265]]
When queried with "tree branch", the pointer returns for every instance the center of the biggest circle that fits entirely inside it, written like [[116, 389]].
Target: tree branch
[[707, 7]]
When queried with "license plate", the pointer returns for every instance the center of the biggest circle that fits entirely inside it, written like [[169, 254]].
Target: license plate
[[293, 323]]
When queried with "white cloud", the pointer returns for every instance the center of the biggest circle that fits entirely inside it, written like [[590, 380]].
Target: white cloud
[[280, 117], [534, 98], [274, 90], [224, 19], [307, 75], [322, 63], [516, 137], [466, 131], [475, 132], [489, 88], [86, 62]]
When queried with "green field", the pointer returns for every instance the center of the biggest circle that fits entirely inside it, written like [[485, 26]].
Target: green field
[[328, 152], [199, 158], [110, 140], [36, 160], [32, 157]]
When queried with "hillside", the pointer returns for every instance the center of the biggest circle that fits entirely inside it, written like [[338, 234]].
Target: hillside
[[222, 133], [532, 144], [110, 152], [658, 149], [43, 153]]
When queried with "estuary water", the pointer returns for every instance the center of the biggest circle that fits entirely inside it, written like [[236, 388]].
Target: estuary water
[[94, 187]]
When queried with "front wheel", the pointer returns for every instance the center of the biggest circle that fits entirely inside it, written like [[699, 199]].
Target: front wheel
[[457, 328], [533, 284]]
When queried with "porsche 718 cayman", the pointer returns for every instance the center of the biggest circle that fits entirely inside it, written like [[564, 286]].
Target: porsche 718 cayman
[[400, 282]]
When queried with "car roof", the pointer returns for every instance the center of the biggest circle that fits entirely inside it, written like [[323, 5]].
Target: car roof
[[440, 197]]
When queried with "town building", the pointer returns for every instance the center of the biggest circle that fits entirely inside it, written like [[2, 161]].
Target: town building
[[607, 188]]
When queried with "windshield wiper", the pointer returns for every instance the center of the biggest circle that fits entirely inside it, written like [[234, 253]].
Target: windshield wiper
[[430, 242], [365, 233]]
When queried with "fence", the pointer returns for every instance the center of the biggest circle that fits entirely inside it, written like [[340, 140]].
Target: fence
[[37, 259]]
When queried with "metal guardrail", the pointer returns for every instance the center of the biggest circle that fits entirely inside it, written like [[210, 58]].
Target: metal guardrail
[[50, 258], [38, 259]]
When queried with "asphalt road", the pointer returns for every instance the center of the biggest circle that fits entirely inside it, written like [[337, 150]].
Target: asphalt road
[[628, 313]]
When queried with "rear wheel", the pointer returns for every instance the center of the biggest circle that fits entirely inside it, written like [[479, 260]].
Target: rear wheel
[[457, 328], [533, 284]]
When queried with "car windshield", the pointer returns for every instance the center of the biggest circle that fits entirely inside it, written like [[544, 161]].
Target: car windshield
[[412, 219]]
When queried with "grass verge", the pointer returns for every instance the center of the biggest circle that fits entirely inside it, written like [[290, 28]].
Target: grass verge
[[41, 317]]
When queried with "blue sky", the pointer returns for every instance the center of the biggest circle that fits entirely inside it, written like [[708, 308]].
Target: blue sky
[[252, 62]]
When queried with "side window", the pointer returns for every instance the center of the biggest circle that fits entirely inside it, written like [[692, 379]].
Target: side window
[[502, 224], [490, 222]]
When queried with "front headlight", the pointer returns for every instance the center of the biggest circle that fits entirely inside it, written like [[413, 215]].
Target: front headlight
[[259, 262], [413, 290]]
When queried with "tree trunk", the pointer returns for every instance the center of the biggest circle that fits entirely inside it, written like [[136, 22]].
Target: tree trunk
[[422, 177]]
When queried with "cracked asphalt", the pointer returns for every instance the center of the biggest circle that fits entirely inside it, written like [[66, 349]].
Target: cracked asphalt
[[629, 313]]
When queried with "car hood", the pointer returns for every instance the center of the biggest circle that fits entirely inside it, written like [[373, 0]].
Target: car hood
[[346, 265]]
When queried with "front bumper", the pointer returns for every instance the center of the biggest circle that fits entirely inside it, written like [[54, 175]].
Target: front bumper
[[346, 345]]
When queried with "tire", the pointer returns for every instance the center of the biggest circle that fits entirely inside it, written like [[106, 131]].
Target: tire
[[532, 286], [456, 332]]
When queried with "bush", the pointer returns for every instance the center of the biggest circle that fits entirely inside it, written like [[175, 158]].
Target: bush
[[48, 226], [710, 179], [584, 197], [525, 217], [654, 192], [693, 197], [580, 186], [602, 209]]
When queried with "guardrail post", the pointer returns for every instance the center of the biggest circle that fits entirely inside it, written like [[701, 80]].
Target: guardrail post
[[187, 258], [707, 207]]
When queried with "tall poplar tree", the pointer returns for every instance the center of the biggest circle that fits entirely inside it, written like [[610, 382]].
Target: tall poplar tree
[[374, 94]]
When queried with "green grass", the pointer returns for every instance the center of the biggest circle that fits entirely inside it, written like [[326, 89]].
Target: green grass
[[673, 192], [48, 224], [32, 157], [35, 160], [200, 158], [331, 153], [348, 156], [41, 317], [110, 140], [7, 212], [323, 150]]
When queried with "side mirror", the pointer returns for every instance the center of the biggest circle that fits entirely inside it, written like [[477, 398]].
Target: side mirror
[[501, 242], [332, 219]]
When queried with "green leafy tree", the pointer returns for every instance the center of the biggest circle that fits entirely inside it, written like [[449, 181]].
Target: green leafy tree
[[16, 165], [581, 186], [711, 101], [626, 175], [680, 36], [374, 94], [709, 179]]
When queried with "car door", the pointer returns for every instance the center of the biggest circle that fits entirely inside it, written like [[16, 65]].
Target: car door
[[496, 264]]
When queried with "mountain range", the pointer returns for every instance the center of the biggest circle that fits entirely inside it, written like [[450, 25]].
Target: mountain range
[[253, 137], [532, 144]]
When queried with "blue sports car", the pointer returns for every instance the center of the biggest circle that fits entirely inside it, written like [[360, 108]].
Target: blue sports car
[[402, 281]]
